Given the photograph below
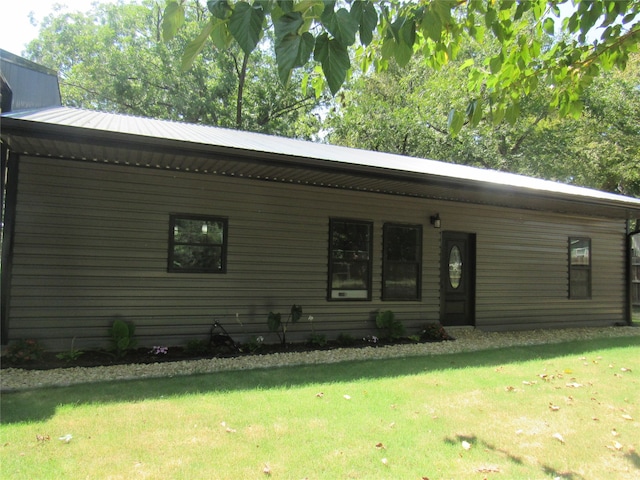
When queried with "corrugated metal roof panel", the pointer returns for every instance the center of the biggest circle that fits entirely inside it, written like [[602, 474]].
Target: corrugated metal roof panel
[[209, 149], [32, 85]]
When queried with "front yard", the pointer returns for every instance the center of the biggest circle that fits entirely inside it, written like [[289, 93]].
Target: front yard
[[569, 410]]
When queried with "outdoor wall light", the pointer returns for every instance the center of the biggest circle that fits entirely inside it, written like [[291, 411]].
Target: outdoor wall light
[[435, 220]]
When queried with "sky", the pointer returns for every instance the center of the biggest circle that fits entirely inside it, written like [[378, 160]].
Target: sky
[[17, 29]]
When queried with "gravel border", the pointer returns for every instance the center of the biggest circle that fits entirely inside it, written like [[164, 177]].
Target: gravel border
[[468, 339]]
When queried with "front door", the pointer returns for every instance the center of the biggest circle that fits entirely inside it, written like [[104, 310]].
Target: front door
[[457, 277]]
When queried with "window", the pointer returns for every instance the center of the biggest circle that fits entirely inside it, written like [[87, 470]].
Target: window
[[349, 260], [197, 244], [401, 263], [579, 267]]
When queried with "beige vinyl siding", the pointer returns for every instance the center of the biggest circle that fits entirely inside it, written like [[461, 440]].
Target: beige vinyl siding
[[91, 244]]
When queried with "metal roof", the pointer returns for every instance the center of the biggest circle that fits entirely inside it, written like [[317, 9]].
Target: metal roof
[[113, 138], [32, 85]]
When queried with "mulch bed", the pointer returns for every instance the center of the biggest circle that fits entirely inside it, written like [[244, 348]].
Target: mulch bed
[[94, 358]]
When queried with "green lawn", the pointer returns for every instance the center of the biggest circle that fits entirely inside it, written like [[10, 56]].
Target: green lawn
[[567, 411]]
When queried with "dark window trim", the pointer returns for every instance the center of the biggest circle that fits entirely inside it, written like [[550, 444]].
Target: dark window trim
[[385, 261], [369, 224], [574, 268], [212, 218]]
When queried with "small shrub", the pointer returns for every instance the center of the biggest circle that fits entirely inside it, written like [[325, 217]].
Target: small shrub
[[434, 332], [121, 334], [276, 324], [345, 339], [23, 351], [317, 339], [254, 344], [70, 355], [393, 328]]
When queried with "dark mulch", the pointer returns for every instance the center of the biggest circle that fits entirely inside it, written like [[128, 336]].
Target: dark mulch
[[93, 358]]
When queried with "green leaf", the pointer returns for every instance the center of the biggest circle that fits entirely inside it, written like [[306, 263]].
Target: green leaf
[[476, 112], [274, 321], [549, 25], [455, 122], [172, 20], [334, 58], [431, 26], [342, 26], [219, 8], [289, 23], [365, 14], [468, 63], [293, 51], [245, 24], [513, 112], [220, 34], [296, 313], [194, 48], [495, 64]]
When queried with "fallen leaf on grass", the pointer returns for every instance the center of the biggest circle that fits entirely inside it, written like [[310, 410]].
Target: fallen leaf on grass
[[510, 388], [266, 470], [625, 369], [558, 437], [526, 382], [230, 430], [614, 432], [488, 469], [574, 385], [553, 408], [319, 394], [66, 438], [380, 446], [43, 438], [626, 416], [466, 445]]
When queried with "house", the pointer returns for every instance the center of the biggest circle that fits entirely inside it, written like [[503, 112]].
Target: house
[[173, 226]]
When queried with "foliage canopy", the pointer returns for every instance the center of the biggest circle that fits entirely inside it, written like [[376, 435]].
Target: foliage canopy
[[599, 34]]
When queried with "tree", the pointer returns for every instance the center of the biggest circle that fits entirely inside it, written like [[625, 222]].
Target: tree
[[404, 111], [112, 58], [382, 31]]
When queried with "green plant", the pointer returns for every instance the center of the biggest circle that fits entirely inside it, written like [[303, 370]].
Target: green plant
[[276, 324], [23, 351], [317, 339], [70, 355], [434, 332], [121, 334], [255, 343], [393, 327]]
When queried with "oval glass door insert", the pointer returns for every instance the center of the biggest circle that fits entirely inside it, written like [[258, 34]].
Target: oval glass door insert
[[455, 267]]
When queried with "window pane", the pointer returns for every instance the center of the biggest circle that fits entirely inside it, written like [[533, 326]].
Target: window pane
[[579, 267], [350, 276], [350, 260], [580, 280], [350, 241], [401, 262], [402, 244], [401, 281], [193, 257], [197, 231], [455, 267], [197, 244], [580, 251]]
